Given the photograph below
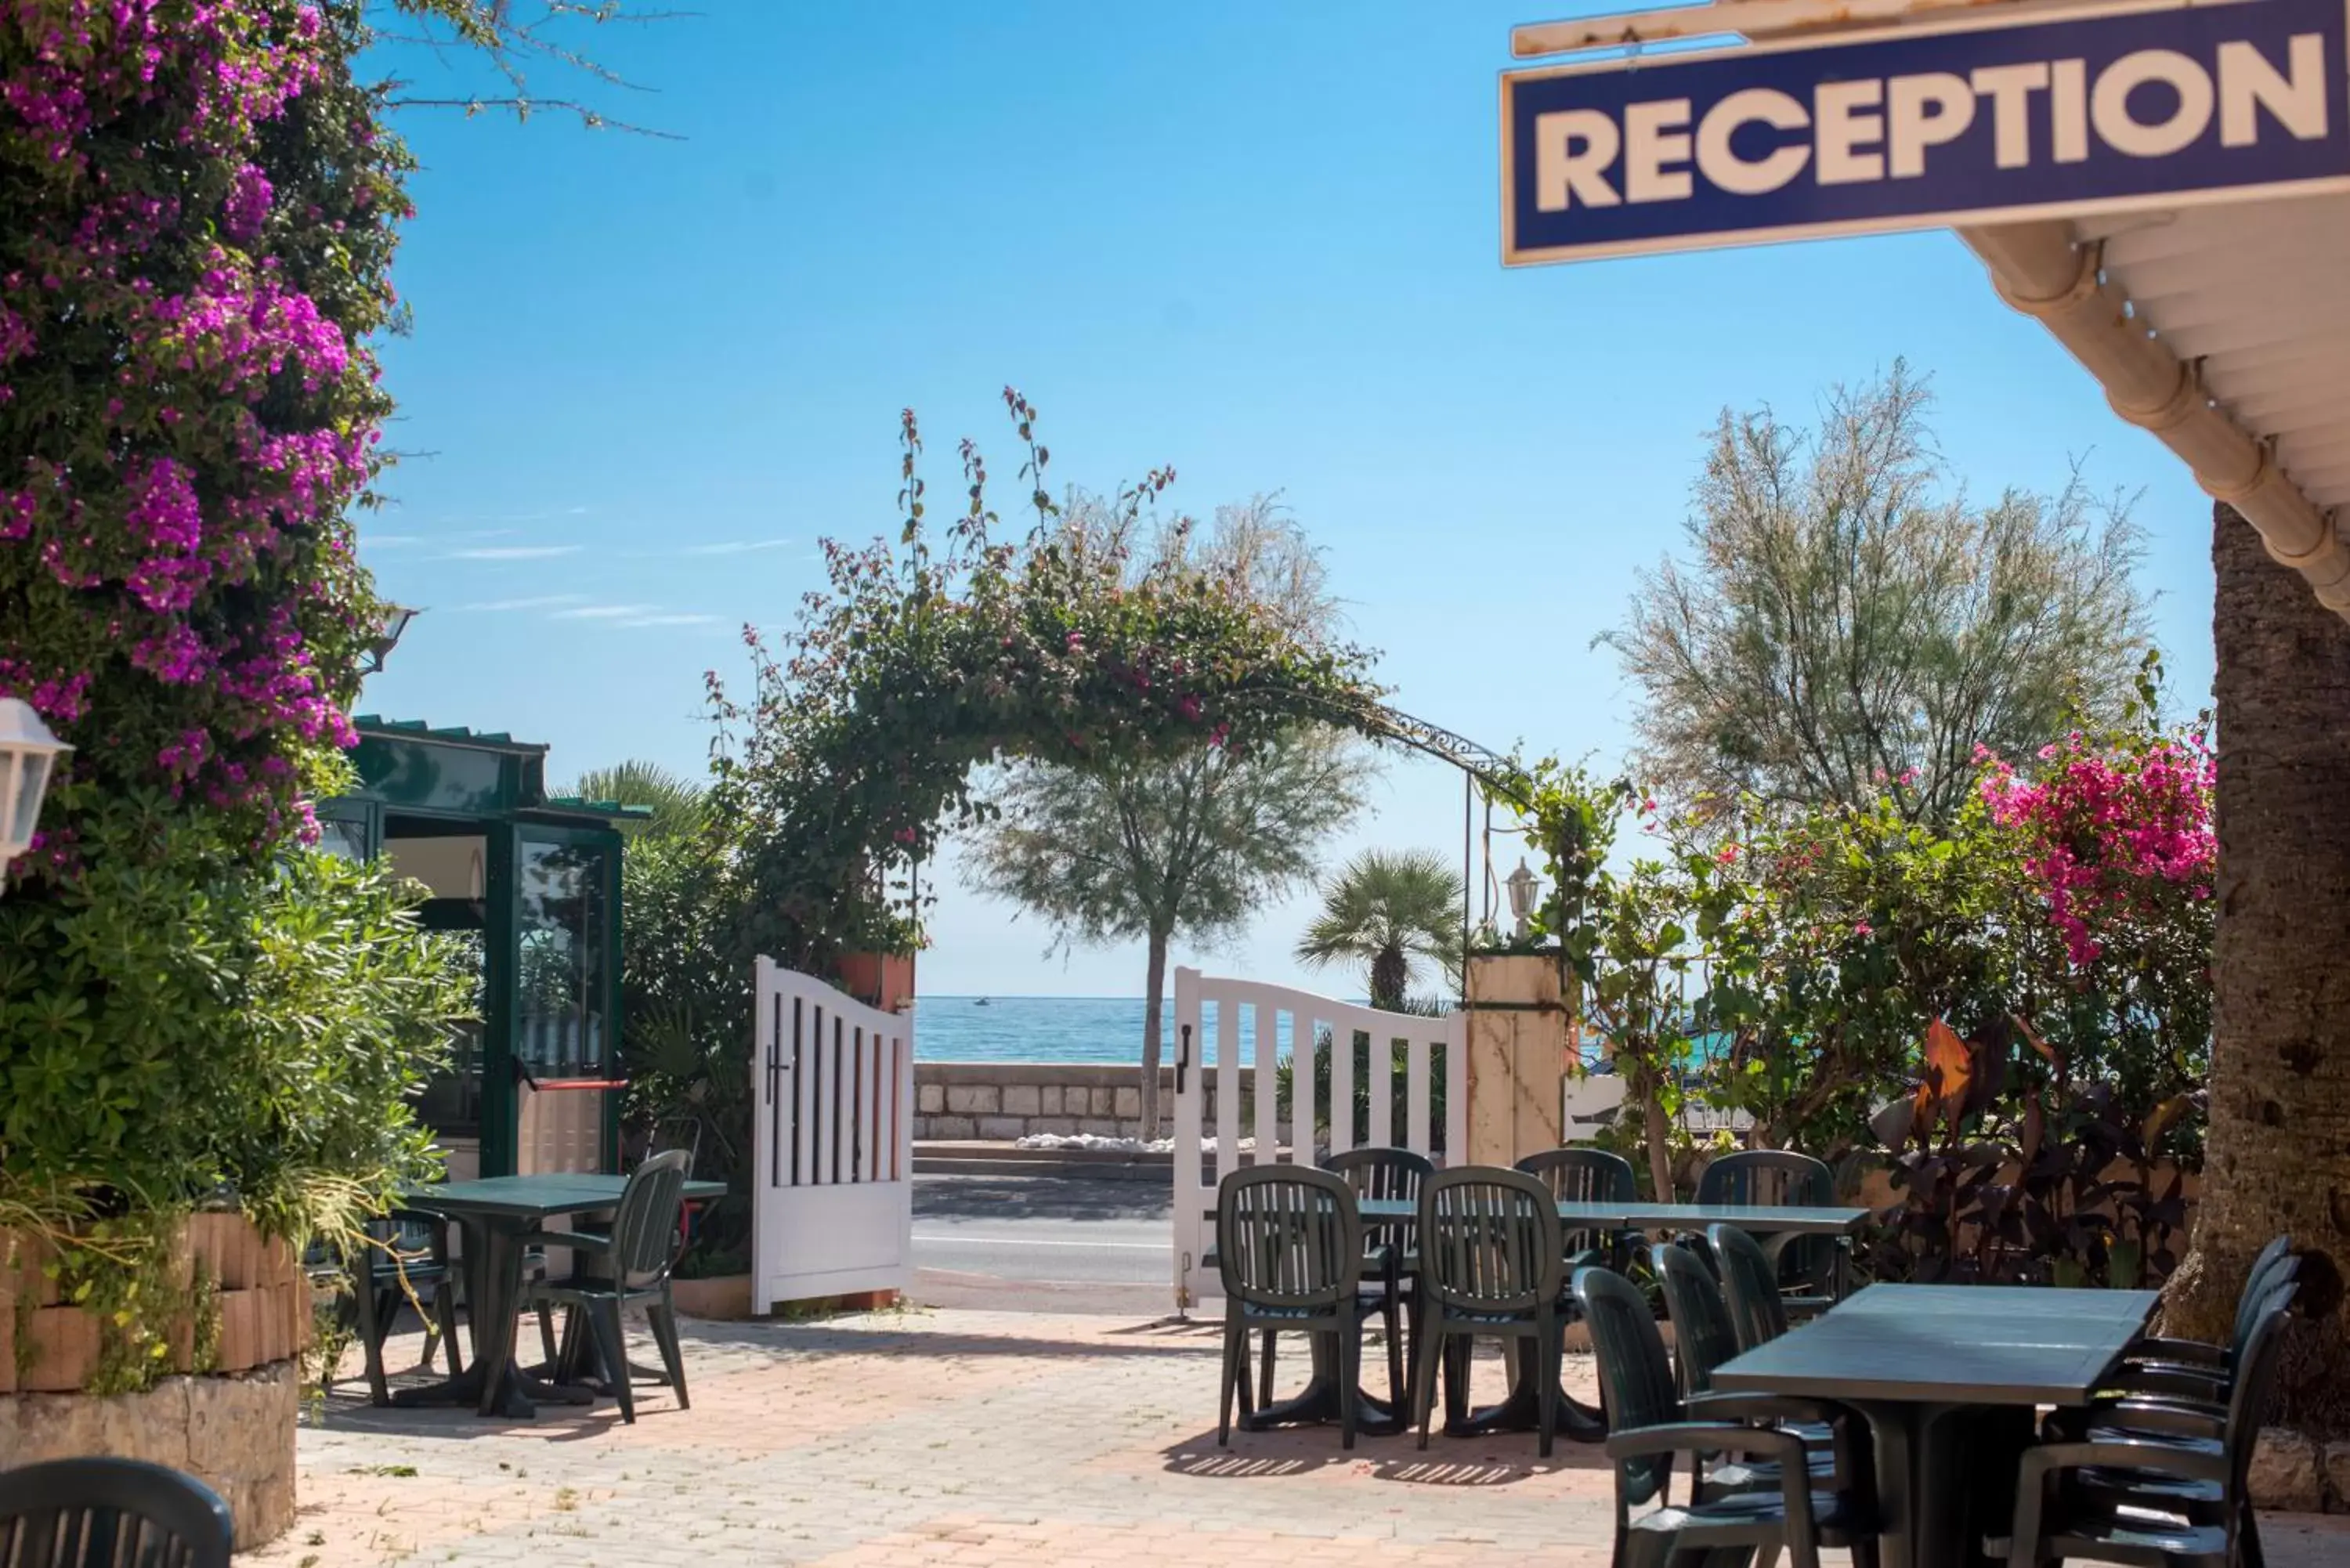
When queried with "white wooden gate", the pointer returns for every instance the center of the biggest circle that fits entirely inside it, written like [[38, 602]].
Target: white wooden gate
[[832, 1189], [1222, 1025]]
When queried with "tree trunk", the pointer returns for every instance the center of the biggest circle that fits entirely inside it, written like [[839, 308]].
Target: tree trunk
[[1152, 1008], [1389, 972], [1660, 1146], [2277, 1159]]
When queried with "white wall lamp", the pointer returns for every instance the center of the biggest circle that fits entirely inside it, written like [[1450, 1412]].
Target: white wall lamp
[[28, 755], [1522, 885]]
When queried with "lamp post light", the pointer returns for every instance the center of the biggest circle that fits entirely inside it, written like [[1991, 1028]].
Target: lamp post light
[[1522, 884], [28, 754], [395, 623]]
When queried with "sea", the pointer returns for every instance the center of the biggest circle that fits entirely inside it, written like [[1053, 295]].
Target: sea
[[1032, 1028], [1062, 1029]]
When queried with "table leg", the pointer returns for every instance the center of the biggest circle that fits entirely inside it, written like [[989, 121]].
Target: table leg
[[1924, 1486], [493, 1385], [1521, 1411]]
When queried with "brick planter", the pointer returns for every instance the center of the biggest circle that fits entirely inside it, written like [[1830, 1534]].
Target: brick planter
[[230, 1422], [721, 1298]]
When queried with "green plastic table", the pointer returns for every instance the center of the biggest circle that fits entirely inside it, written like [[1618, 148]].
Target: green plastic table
[[494, 1214], [1951, 1378], [1578, 1421], [1577, 1215]]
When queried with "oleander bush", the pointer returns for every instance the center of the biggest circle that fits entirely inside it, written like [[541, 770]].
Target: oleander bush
[[1794, 966]]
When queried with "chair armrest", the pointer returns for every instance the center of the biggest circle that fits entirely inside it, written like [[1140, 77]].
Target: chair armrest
[[577, 1242], [1754, 1442], [1709, 1437], [2194, 1384], [1849, 1446], [2187, 1352], [1764, 1407], [2125, 1454], [2160, 1416], [2122, 1453]]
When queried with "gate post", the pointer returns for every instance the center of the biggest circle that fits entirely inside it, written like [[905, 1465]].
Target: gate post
[[1518, 1056]]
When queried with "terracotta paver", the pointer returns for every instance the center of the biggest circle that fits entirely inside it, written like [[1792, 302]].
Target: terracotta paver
[[959, 1438]]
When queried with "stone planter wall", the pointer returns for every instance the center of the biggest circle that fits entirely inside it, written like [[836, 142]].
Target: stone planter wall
[[226, 1411], [998, 1102], [234, 1433]]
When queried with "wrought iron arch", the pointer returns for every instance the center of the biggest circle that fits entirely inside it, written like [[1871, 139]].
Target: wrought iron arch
[[1485, 776]]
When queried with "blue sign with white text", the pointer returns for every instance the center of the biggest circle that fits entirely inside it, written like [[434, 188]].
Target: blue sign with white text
[[1975, 123]]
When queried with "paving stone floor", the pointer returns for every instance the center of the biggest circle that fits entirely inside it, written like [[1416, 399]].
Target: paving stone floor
[[962, 1438]]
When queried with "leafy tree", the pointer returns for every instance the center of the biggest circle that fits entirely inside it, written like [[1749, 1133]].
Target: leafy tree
[[1154, 848], [1388, 912], [1845, 626], [1153, 851], [685, 1004]]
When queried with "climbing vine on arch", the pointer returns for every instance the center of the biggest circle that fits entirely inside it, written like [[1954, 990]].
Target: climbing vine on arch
[[930, 656]]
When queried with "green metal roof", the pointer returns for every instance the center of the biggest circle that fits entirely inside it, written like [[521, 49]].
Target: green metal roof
[[503, 776], [606, 808], [451, 734]]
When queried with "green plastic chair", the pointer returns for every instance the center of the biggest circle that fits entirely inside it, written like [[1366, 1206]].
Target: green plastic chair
[[1396, 1175], [406, 1256], [1702, 1337], [1703, 1340], [2189, 1392], [1758, 1313], [1651, 1426], [98, 1512], [634, 1263], [2153, 1356], [1589, 1176], [1289, 1248], [1492, 1264], [2176, 1501], [1809, 1269]]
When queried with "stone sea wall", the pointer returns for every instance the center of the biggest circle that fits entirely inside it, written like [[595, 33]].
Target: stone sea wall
[[998, 1102]]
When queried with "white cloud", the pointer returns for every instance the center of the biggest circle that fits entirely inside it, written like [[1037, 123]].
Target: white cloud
[[736, 547], [513, 553], [669, 620], [606, 612], [540, 601]]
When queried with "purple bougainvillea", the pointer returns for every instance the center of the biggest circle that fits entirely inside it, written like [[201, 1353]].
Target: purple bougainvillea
[[196, 218]]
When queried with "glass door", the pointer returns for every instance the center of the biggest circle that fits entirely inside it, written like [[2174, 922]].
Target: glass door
[[566, 1006]]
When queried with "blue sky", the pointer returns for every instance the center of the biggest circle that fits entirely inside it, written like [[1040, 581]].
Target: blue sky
[[1256, 242]]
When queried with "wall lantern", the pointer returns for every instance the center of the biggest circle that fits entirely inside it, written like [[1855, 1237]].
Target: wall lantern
[[395, 622], [28, 754], [1522, 885]]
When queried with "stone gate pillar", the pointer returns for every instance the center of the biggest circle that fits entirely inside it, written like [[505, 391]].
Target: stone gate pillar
[[1520, 1044]]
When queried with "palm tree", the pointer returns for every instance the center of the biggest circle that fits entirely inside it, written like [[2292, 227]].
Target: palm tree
[[678, 804], [2277, 1155], [1390, 912]]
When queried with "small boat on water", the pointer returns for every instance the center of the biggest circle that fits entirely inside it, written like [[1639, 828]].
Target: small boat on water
[[980, 1002]]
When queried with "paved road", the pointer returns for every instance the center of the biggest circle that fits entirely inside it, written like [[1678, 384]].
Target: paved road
[[1043, 1243]]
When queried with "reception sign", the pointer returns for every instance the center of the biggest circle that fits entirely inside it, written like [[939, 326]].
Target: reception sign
[[1978, 121]]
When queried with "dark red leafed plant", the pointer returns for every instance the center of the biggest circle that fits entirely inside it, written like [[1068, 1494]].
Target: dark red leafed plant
[[2069, 1192]]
